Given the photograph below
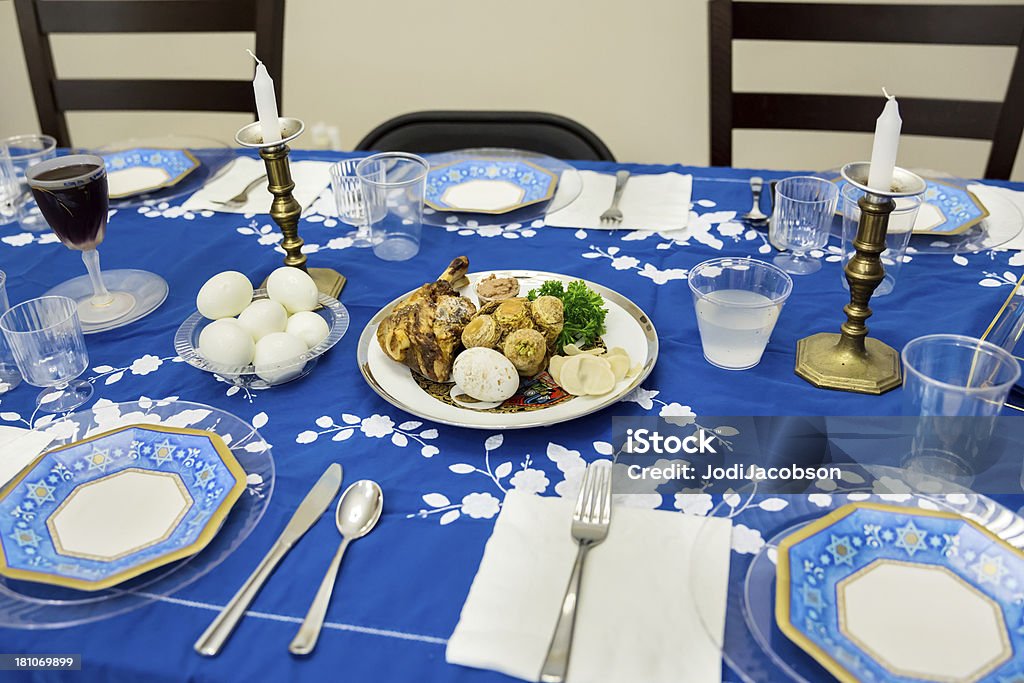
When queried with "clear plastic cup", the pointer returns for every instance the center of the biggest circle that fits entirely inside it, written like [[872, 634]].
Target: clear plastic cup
[[737, 301], [901, 226], [22, 152], [955, 375], [394, 184], [956, 385]]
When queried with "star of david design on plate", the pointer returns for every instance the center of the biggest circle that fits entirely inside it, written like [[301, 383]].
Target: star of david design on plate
[[841, 550], [989, 569], [910, 538], [925, 595], [40, 492], [26, 538], [98, 460], [162, 452]]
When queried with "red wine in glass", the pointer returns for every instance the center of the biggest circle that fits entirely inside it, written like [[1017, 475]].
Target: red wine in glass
[[71, 192], [75, 210]]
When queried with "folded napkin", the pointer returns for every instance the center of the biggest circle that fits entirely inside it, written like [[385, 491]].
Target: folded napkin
[[311, 177], [636, 620], [649, 202], [1017, 198], [18, 448]]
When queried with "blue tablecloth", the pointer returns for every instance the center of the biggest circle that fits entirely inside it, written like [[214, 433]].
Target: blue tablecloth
[[402, 588]]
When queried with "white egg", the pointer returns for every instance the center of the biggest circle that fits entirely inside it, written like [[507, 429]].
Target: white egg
[[292, 288], [277, 348], [309, 327], [224, 295], [485, 374], [225, 342], [262, 317]]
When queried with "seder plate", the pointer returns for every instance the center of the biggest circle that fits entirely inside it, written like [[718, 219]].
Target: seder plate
[[96, 512], [538, 402]]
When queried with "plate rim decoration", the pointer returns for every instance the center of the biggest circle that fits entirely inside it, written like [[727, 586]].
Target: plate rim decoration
[[368, 337], [170, 182], [552, 187], [210, 528], [783, 582]]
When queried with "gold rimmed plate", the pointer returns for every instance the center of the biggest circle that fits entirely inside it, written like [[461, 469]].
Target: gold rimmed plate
[[874, 591], [100, 511], [539, 401]]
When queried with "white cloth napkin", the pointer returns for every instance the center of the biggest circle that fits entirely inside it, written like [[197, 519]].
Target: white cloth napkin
[[18, 448], [636, 620], [649, 202], [983, 191], [311, 177]]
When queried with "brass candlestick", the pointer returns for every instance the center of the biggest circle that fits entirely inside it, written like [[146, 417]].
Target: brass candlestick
[[852, 361], [284, 209]]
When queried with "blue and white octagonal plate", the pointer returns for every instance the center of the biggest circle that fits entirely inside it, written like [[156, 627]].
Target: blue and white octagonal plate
[[489, 186], [103, 510], [878, 592], [145, 169]]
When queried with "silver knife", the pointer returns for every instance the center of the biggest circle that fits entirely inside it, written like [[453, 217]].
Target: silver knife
[[312, 508]]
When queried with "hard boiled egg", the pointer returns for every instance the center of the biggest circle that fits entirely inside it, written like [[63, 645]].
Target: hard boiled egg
[[263, 317], [485, 374], [226, 342], [277, 348], [309, 327], [292, 288], [224, 295]]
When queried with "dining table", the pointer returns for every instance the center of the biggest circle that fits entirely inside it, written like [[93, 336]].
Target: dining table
[[402, 587]]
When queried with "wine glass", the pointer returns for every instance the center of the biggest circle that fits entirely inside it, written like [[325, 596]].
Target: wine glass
[[804, 207], [71, 192], [45, 336]]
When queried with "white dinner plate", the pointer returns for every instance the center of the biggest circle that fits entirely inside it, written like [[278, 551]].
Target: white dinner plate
[[627, 326]]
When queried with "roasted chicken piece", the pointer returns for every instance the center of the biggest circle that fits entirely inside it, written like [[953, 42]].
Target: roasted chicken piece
[[424, 331]]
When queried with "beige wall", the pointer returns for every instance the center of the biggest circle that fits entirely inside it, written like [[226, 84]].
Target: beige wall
[[634, 71]]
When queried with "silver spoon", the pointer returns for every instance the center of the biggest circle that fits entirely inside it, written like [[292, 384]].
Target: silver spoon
[[755, 215], [358, 511]]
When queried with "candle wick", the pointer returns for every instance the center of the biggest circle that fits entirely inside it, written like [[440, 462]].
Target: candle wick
[[884, 91], [258, 59]]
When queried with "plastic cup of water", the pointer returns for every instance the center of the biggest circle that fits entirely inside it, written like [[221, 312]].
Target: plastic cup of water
[[737, 301]]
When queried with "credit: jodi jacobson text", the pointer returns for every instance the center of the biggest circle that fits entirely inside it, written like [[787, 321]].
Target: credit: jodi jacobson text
[[679, 471]]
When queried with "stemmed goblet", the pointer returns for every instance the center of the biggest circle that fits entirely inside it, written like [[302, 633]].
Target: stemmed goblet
[[71, 192], [348, 198], [804, 207]]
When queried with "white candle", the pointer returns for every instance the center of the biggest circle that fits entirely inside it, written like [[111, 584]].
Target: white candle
[[266, 102], [887, 141]]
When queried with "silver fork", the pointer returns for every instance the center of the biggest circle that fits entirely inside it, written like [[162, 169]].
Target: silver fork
[[613, 214], [243, 196], [590, 522]]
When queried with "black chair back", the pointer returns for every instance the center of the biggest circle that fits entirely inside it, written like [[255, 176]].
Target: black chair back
[[39, 19], [1001, 122], [428, 132]]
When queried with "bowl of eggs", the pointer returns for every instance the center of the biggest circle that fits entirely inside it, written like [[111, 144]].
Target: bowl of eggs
[[264, 337]]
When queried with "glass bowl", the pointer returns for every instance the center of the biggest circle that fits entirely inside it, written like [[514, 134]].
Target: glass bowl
[[186, 344]]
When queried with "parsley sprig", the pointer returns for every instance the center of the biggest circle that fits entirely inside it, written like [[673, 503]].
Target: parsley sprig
[[584, 312]]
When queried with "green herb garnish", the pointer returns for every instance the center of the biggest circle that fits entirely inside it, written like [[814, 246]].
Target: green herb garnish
[[584, 312]]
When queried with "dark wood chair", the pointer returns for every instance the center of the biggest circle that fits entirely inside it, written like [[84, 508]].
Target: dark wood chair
[[1000, 122], [38, 19], [427, 132]]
